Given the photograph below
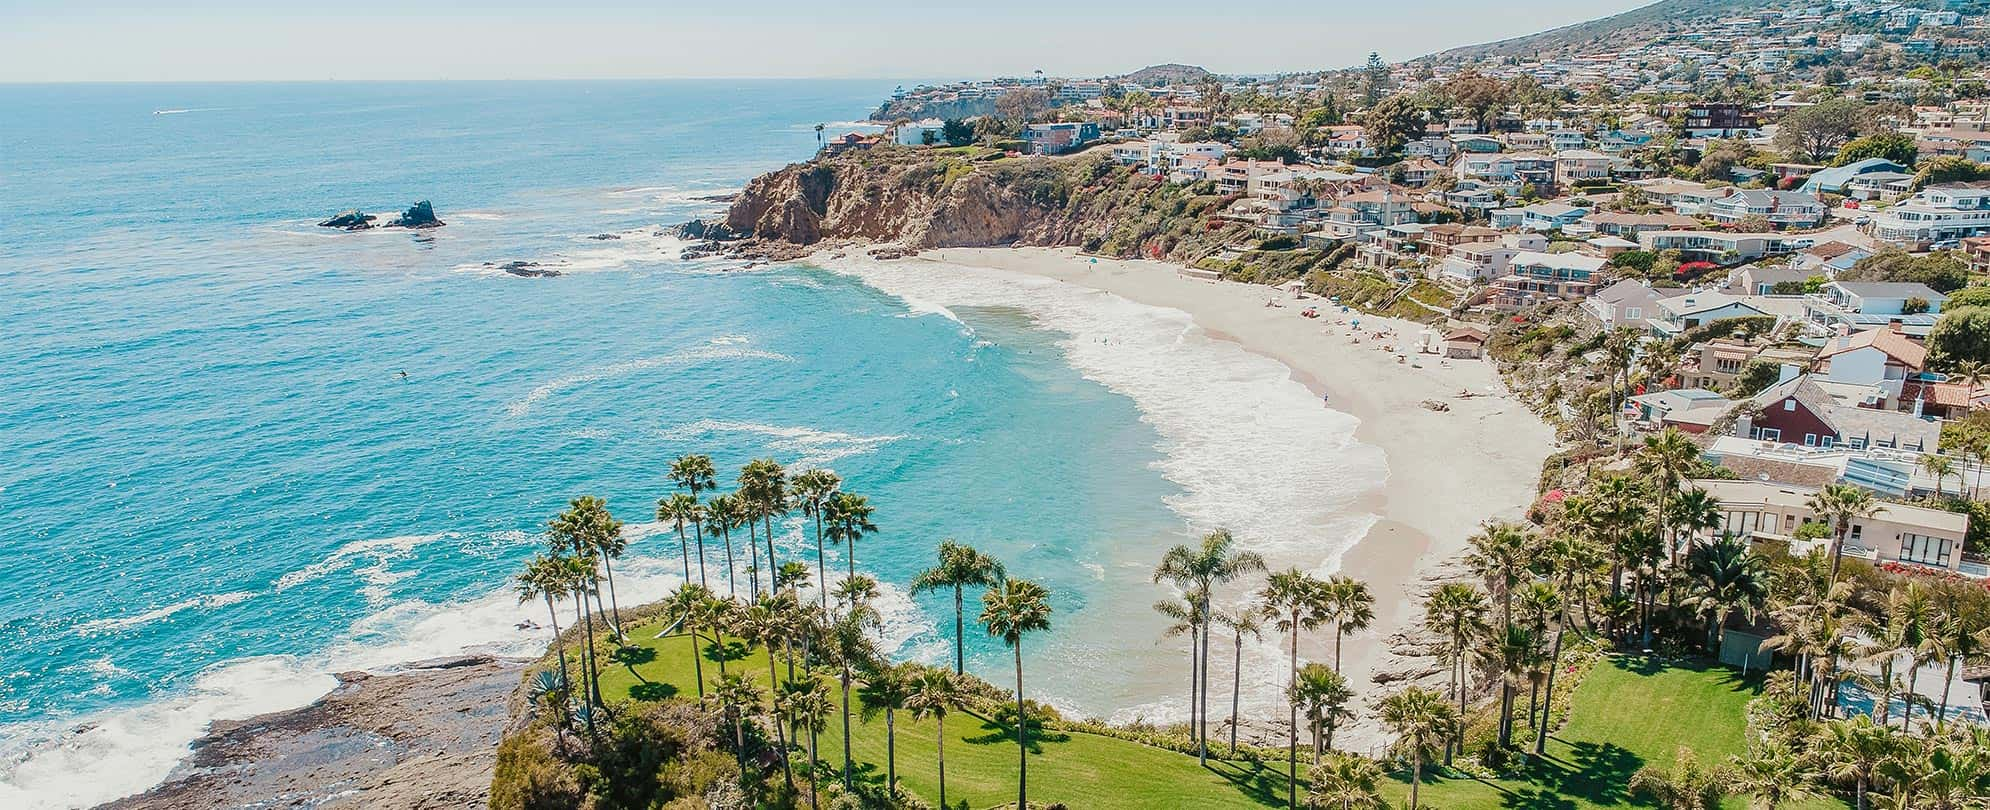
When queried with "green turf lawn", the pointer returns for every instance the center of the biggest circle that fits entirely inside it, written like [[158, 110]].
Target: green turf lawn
[[1625, 714]]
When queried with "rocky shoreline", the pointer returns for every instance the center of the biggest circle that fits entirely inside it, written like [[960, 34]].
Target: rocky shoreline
[[423, 738]]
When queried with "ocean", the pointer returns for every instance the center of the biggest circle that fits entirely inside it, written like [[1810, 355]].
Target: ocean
[[239, 452]]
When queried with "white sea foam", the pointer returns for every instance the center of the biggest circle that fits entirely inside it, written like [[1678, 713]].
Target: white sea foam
[[702, 354], [158, 614], [1253, 450], [808, 446], [378, 552], [652, 243]]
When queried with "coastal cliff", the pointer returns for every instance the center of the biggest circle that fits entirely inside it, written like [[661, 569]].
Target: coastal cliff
[[968, 197]]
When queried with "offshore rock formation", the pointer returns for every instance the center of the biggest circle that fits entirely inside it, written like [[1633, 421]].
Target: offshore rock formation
[[420, 215], [923, 198]]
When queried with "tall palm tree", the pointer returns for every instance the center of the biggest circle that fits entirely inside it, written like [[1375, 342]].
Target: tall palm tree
[[1540, 612], [764, 484], [1241, 623], [1185, 618], [1501, 554], [1349, 607], [581, 579], [1346, 782], [806, 704], [695, 473], [725, 513], [1291, 600], [1421, 721], [687, 605], [1695, 511], [1322, 695], [1620, 349], [851, 647], [1913, 607], [764, 623], [933, 694], [589, 530], [813, 489], [1666, 457], [1773, 775], [544, 577], [1515, 651], [1197, 570], [1011, 611], [1456, 612], [960, 567], [735, 693], [849, 521], [678, 508], [1854, 750], [886, 688], [1959, 638], [1725, 577], [1840, 504]]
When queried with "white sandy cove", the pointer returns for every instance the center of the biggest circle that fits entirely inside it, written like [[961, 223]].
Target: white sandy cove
[[1447, 472]]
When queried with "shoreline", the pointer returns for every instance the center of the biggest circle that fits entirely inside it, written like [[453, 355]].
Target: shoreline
[[1447, 472]]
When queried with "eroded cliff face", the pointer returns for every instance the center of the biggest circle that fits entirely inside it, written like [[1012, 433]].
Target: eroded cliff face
[[922, 198]]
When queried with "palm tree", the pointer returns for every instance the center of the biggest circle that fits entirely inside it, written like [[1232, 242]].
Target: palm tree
[[1456, 612], [813, 489], [851, 647], [589, 531], [1185, 618], [1421, 721], [1726, 576], [735, 693], [960, 567], [1540, 612], [545, 577], [1349, 607], [579, 574], [1959, 637], [1011, 611], [1686, 786], [806, 704], [764, 622], [1854, 750], [1773, 775], [1197, 570], [932, 694], [695, 473], [1666, 457], [849, 521], [1696, 511], [1346, 782], [764, 484], [1322, 695], [886, 688], [1841, 504], [687, 605], [1914, 609], [1939, 467], [1501, 554], [725, 512], [1620, 349], [1291, 599], [1515, 650], [679, 508], [1241, 623]]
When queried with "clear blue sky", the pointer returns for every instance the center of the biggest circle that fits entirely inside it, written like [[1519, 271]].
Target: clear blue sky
[[121, 40]]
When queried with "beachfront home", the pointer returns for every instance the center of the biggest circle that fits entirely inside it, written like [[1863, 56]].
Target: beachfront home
[[1860, 305], [1471, 262], [1465, 342], [1626, 303], [1717, 364], [925, 132], [1722, 246], [1781, 209], [1535, 277], [1682, 312], [1895, 532], [1366, 211], [1692, 410], [1944, 213], [1058, 138]]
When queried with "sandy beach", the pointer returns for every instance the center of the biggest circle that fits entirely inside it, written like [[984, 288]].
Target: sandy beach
[[1448, 472]]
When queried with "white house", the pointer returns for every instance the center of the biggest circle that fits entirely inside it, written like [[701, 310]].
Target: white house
[[1938, 214], [1625, 303], [1680, 313], [1782, 209]]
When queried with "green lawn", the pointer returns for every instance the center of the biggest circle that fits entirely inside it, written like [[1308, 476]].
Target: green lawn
[[1624, 715]]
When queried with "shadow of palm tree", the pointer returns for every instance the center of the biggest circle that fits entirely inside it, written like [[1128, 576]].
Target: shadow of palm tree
[[993, 733], [1257, 782], [1598, 773], [728, 650], [652, 691]]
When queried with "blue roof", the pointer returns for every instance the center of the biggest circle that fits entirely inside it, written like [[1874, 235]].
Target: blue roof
[[1834, 179]]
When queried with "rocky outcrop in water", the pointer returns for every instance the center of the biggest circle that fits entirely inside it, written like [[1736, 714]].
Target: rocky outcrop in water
[[420, 215], [352, 220]]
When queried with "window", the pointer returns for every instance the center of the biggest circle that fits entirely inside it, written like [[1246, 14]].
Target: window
[[1790, 404], [1824, 442], [1920, 548], [1772, 434], [1810, 440]]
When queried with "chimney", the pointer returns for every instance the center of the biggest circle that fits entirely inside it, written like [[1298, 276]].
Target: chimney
[[1894, 327]]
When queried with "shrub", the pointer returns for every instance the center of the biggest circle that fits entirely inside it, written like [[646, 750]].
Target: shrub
[[529, 777]]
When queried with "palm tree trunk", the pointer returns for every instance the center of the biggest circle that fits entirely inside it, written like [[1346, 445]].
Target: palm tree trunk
[[698, 528], [941, 746], [890, 753], [732, 571], [1292, 725], [589, 694], [684, 547], [615, 607], [1913, 678], [780, 734], [822, 567], [566, 679], [1236, 692], [812, 760], [1416, 775], [1337, 638], [848, 765], [1202, 700], [1022, 739], [1942, 716], [1554, 663], [960, 634], [697, 658], [753, 557], [773, 567], [1505, 712]]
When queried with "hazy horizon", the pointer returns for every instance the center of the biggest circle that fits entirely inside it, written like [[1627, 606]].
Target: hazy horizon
[[233, 40]]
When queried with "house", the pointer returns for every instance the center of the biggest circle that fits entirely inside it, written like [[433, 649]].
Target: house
[[1692, 410], [1476, 144], [1550, 216], [1880, 356], [1184, 117], [1058, 138], [1944, 213], [1834, 180], [1669, 192], [1581, 166], [1720, 120], [1722, 246], [1976, 250], [1470, 262], [1614, 223], [1894, 533], [1718, 364], [1625, 303], [1677, 314], [1465, 342], [1883, 186], [1534, 277], [1564, 139], [1858, 305], [1365, 211], [925, 132], [1828, 259], [1421, 171], [1781, 209], [1751, 279], [1801, 411], [850, 142], [1438, 240], [1942, 400]]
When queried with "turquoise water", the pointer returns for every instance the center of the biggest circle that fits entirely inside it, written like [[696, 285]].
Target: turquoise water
[[217, 486]]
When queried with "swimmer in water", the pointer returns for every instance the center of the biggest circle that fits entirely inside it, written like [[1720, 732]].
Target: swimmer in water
[[403, 374]]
